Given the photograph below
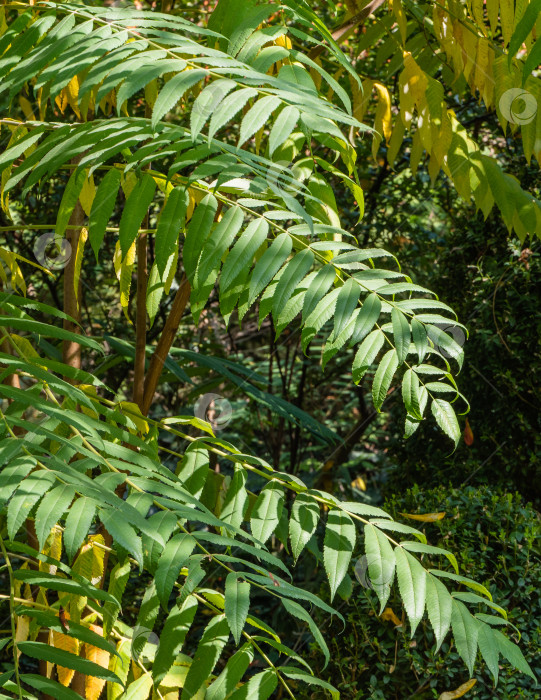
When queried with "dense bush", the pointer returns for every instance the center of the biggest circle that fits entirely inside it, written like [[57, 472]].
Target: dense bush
[[497, 536]]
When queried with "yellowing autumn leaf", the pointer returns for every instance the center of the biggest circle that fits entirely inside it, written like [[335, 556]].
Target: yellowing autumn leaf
[[359, 483], [424, 517], [459, 692], [388, 614], [67, 643], [93, 685]]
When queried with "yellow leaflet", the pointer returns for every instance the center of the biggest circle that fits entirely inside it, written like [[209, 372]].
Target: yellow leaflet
[[396, 141], [507, 19], [88, 192], [401, 20], [128, 182], [388, 614], [459, 692], [89, 563], [72, 95], [469, 52], [481, 67], [22, 629], [16, 134], [17, 279], [359, 484], [26, 108], [93, 685], [361, 98], [53, 549], [61, 100], [195, 197], [477, 11], [123, 270], [91, 392], [492, 13], [383, 111], [424, 517], [66, 643], [83, 236], [3, 24], [163, 184], [151, 93], [133, 412], [121, 667]]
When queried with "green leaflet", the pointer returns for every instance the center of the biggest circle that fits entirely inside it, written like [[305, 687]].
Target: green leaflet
[[422, 548], [172, 637], [445, 344], [135, 210], [44, 652], [193, 469], [401, 333], [269, 264], [172, 92], [383, 378], [118, 579], [173, 558], [102, 208], [465, 630], [338, 546], [295, 270], [489, 649], [170, 224], [219, 240], [232, 673], [49, 686], [319, 286], [236, 499], [445, 417], [512, 653], [412, 423], [411, 394], [257, 116], [463, 579], [298, 611], [69, 200], [55, 583], [138, 689], [381, 562], [524, 27], [438, 607], [199, 230], [229, 107], [12, 475], [25, 498], [346, 303], [206, 102], [144, 74], [366, 354], [208, 652], [77, 525], [411, 578], [259, 687], [366, 319], [319, 316], [300, 674], [282, 127], [303, 522], [267, 511], [123, 533], [51, 509], [237, 604]]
